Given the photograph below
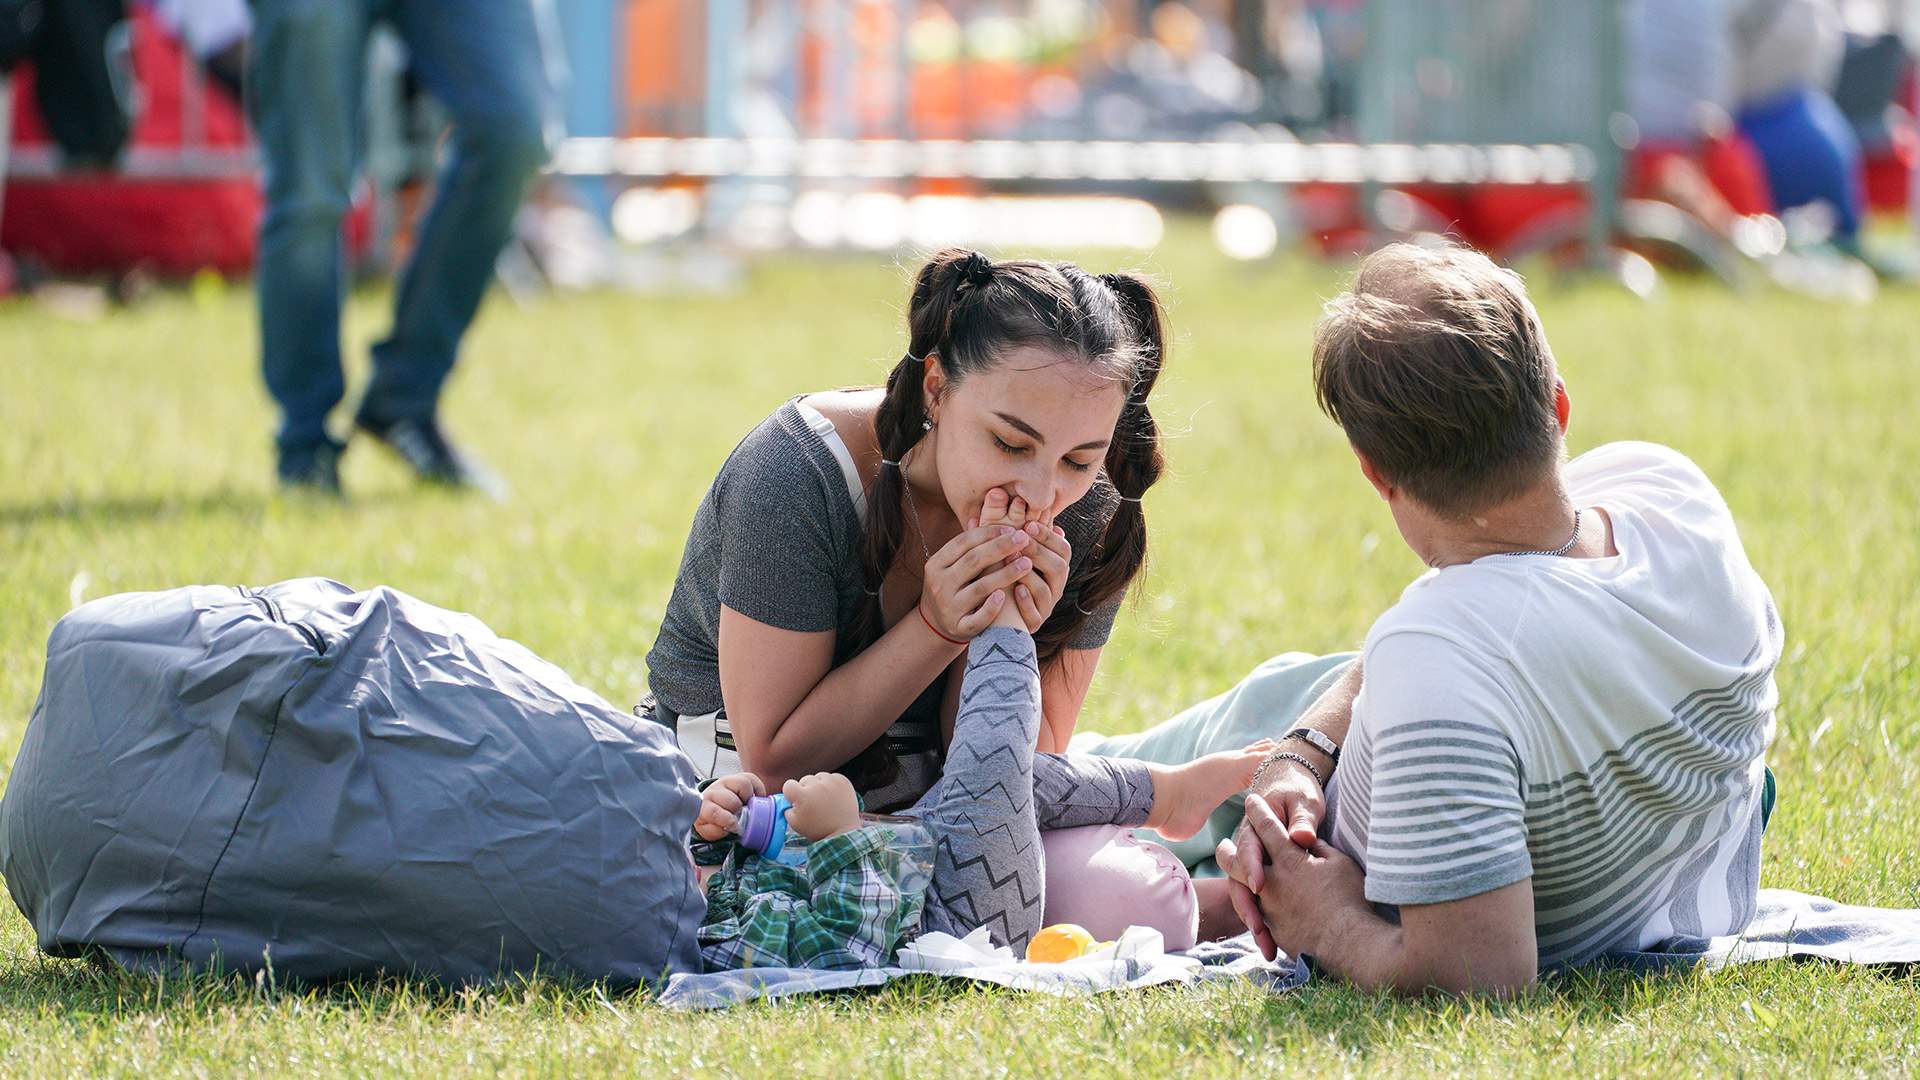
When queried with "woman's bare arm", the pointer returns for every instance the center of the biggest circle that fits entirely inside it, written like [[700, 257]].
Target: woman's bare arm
[[794, 713], [1063, 690]]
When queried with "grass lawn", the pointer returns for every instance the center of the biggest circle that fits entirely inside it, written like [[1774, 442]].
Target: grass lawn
[[134, 455]]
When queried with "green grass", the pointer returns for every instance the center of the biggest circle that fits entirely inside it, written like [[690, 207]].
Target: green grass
[[134, 455]]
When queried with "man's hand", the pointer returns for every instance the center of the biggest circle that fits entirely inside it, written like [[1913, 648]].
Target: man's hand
[[1305, 892], [721, 803], [1294, 796], [1315, 902], [824, 805], [1291, 794]]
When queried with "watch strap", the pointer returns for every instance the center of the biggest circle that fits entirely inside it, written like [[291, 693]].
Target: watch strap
[[1316, 739]]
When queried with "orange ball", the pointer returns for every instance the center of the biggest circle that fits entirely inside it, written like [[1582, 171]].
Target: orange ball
[[1059, 942]]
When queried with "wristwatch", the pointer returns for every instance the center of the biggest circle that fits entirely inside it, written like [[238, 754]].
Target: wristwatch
[[1316, 739]]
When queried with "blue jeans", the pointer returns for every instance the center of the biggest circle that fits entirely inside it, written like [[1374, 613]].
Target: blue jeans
[[1811, 154], [483, 60]]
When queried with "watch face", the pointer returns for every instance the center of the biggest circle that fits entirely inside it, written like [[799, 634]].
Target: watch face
[[1318, 740]]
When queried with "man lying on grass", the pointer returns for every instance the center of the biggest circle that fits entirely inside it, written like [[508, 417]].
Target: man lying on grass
[[1556, 748]]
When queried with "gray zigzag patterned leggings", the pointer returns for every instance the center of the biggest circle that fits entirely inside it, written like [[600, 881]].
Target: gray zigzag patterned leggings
[[996, 794]]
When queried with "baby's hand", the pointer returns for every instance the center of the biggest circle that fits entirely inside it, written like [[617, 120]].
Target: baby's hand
[[721, 803], [823, 805]]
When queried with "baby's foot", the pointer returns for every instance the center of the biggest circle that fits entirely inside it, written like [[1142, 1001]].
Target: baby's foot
[[1018, 513], [1184, 796], [1001, 509], [994, 510]]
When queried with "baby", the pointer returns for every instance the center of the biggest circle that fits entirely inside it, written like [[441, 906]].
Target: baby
[[856, 899]]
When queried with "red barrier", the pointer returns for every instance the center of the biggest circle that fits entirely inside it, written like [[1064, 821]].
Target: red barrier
[[94, 222]]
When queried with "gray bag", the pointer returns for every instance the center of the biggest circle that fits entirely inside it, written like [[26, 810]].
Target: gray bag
[[327, 783]]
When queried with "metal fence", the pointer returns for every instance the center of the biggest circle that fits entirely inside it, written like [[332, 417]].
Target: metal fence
[[1533, 72], [1446, 91], [1062, 92]]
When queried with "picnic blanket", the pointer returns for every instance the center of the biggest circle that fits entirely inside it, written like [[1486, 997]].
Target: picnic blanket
[[1795, 925], [1137, 959], [1788, 925]]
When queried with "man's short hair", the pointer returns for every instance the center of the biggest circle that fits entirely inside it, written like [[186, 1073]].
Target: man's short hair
[[1435, 364]]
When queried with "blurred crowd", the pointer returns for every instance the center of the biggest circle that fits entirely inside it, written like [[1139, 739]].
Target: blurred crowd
[[1761, 129]]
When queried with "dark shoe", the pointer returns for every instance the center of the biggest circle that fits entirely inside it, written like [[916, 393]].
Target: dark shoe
[[312, 469], [421, 444]]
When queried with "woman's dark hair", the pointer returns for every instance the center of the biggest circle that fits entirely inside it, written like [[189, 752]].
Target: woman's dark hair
[[970, 312]]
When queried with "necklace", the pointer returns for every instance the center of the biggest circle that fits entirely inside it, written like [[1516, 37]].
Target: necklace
[[1561, 550], [920, 531]]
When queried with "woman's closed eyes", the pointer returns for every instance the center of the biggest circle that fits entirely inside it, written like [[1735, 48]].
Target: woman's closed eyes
[[1021, 451]]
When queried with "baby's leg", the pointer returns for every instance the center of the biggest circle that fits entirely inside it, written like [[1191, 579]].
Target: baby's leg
[[1070, 790], [986, 854]]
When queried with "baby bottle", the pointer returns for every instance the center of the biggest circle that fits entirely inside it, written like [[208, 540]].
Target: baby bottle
[[762, 829]]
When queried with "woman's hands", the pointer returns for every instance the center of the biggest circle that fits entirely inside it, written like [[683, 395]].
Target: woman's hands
[[1006, 553], [968, 579], [1036, 593]]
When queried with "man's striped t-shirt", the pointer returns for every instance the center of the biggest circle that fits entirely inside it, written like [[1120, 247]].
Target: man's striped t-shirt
[[1596, 725]]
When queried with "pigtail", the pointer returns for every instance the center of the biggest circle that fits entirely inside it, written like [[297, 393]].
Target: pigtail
[[1135, 460], [898, 426]]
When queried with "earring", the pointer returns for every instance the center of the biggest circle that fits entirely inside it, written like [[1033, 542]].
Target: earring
[[926, 425]]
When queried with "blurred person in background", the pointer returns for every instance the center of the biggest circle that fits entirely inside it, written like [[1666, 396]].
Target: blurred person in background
[[1786, 55], [487, 62], [215, 33], [1680, 69], [1789, 56], [1178, 79], [82, 74], [1875, 89]]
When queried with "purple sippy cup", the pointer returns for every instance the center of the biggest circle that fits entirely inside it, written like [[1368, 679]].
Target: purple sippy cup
[[762, 829]]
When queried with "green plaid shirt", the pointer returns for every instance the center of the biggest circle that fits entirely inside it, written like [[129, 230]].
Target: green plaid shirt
[[848, 907]]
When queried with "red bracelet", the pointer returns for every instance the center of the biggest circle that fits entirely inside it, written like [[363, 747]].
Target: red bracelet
[[935, 629]]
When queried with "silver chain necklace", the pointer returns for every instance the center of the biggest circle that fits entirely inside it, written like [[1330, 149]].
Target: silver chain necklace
[[1561, 550], [920, 531]]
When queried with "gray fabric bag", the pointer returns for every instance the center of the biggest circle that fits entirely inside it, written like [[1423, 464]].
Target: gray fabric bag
[[329, 783]]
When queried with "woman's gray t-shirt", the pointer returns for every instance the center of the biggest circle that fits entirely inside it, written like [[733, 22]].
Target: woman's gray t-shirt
[[777, 539]]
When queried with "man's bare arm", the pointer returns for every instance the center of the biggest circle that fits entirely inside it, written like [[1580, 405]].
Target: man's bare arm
[[1330, 714], [1478, 945], [1294, 794], [1314, 903]]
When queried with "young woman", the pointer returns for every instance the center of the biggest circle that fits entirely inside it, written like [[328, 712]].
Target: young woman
[[837, 567]]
